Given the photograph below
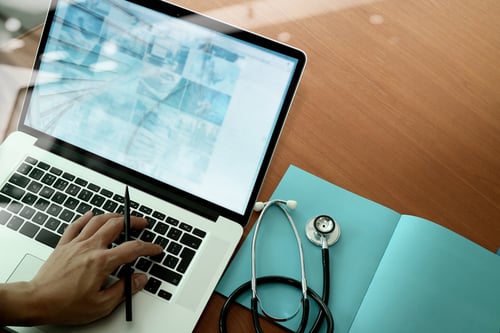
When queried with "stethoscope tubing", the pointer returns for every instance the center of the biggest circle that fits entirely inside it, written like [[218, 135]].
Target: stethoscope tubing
[[322, 301], [324, 311]]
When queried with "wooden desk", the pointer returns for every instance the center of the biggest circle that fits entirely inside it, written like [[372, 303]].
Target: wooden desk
[[399, 103]]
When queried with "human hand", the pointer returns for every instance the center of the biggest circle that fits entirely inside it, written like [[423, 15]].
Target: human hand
[[70, 287]]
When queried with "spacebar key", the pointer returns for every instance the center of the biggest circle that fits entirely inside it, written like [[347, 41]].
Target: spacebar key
[[165, 274], [48, 238]]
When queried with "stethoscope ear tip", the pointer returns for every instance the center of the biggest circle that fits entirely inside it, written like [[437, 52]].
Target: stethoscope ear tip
[[292, 204]]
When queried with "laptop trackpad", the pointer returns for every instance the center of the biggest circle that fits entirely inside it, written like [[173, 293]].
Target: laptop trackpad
[[26, 269]]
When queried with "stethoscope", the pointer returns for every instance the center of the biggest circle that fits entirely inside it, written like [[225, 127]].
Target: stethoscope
[[321, 230]]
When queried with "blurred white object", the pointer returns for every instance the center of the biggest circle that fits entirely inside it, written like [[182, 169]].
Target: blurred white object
[[28, 6], [20, 16]]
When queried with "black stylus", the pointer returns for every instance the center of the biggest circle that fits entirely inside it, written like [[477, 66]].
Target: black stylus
[[127, 267]]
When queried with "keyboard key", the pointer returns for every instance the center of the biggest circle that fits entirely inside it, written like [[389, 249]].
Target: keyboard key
[[146, 210], [110, 206], [31, 160], [29, 198], [161, 228], [159, 216], [165, 274], [24, 168], [4, 201], [172, 221], [124, 271], [36, 174], [147, 236], [151, 222], [43, 165], [29, 229], [81, 182], [34, 186], [187, 256], [143, 264], [15, 223], [118, 198], [73, 189], [135, 233], [97, 200], [174, 233], [61, 184], [153, 285], [42, 204], [106, 193], [68, 176], [199, 233], [47, 192], [85, 195], [12, 191], [48, 179], [52, 224], [71, 203], [14, 207], [158, 258], [165, 295], [174, 248], [120, 209], [62, 228], [67, 215], [94, 187], [162, 241], [83, 207], [40, 218], [191, 241], [59, 197], [27, 212], [19, 180], [56, 171], [185, 227], [136, 213], [48, 238], [171, 261], [54, 210], [4, 216]]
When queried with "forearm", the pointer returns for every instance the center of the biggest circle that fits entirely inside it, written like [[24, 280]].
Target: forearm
[[18, 305]]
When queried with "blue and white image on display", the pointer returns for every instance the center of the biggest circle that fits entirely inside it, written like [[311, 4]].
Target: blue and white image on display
[[135, 89]]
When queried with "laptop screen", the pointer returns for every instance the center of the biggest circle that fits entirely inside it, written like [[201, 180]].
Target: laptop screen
[[164, 95]]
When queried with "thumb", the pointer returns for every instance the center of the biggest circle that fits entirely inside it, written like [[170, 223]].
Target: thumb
[[116, 292], [139, 280]]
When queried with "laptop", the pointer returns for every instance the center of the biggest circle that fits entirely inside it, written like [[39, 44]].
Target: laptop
[[183, 109]]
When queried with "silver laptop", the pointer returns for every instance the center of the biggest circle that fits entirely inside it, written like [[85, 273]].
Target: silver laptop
[[183, 109]]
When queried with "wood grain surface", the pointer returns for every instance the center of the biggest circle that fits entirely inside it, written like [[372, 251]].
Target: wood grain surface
[[399, 103]]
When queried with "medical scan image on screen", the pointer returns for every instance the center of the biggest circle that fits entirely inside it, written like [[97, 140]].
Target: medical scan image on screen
[[163, 96]]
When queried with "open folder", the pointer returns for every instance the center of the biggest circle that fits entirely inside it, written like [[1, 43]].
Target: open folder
[[390, 272]]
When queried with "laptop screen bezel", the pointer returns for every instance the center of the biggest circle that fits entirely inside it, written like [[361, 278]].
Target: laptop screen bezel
[[148, 184]]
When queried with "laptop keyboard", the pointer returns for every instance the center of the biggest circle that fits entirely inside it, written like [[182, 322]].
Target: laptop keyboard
[[40, 201]]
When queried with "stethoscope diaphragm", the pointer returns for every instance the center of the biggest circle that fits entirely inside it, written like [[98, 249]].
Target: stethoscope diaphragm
[[322, 226]]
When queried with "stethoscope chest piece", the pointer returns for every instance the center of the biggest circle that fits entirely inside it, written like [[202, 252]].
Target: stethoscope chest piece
[[322, 226]]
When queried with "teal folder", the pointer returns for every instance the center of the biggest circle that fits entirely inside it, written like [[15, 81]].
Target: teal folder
[[389, 272]]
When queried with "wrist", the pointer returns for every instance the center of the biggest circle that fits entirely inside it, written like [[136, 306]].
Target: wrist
[[20, 305]]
